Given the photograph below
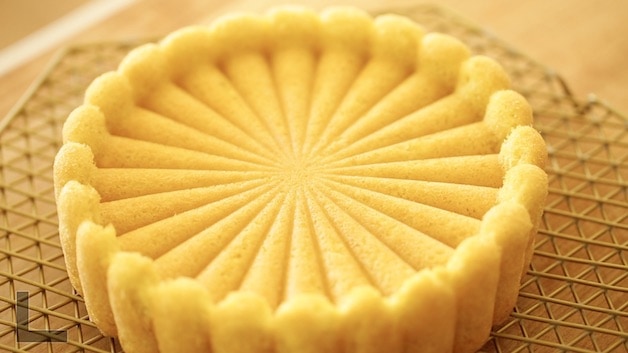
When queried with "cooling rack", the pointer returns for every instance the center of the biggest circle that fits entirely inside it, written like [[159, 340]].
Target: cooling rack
[[574, 297]]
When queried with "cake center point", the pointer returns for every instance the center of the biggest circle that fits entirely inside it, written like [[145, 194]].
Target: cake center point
[[298, 172]]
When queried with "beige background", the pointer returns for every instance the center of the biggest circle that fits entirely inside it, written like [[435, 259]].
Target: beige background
[[585, 41], [22, 17]]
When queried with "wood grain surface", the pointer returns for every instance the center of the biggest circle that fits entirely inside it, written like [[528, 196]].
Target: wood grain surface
[[584, 41]]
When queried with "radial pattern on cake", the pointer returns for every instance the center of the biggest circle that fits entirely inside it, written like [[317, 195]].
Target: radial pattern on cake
[[300, 182]]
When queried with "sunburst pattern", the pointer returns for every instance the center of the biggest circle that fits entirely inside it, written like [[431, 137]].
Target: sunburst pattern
[[294, 154]]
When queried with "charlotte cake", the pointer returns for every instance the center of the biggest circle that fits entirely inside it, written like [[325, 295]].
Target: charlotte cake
[[300, 182]]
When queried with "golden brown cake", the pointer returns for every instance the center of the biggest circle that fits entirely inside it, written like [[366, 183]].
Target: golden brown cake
[[300, 182]]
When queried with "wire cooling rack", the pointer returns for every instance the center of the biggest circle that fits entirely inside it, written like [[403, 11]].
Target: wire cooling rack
[[574, 297]]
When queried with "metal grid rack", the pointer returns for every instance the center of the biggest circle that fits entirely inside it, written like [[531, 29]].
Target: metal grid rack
[[574, 297]]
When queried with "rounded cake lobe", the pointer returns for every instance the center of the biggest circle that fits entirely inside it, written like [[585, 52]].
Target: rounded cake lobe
[[74, 161], [76, 203], [239, 32], [112, 92], [369, 324], [187, 49], [509, 224], [95, 247], [115, 98], [131, 278], [181, 316], [293, 26], [505, 110], [228, 327], [429, 294], [307, 323], [523, 156], [523, 146], [474, 276], [526, 184], [141, 72], [396, 38], [86, 125], [345, 28], [479, 78], [440, 58]]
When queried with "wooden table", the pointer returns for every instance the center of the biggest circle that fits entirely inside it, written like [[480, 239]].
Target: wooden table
[[584, 41]]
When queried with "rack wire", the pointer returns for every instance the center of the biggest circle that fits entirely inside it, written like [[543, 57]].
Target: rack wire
[[574, 297]]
